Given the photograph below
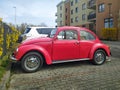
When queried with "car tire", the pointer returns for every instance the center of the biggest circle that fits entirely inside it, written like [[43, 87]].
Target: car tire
[[99, 57], [31, 62]]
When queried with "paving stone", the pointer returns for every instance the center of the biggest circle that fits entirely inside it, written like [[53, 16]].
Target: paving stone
[[70, 76]]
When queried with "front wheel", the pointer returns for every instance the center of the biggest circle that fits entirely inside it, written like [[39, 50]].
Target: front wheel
[[31, 62], [99, 57]]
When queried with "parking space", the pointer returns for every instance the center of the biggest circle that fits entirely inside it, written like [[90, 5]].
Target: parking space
[[69, 76]]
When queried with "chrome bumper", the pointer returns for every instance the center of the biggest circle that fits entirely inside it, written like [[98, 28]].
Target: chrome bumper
[[13, 59], [108, 58]]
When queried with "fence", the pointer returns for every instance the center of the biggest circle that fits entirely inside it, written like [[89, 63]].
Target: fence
[[8, 36]]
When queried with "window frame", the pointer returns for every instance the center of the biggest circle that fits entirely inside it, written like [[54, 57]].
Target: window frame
[[101, 7], [65, 37], [76, 10], [83, 6], [109, 21], [84, 37], [83, 17]]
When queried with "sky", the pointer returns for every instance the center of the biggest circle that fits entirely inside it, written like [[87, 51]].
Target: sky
[[29, 11]]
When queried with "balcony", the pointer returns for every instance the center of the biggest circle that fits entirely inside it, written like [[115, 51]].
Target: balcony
[[56, 20], [91, 4], [92, 17]]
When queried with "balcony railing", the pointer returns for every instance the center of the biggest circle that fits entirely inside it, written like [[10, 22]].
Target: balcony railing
[[56, 20], [91, 4], [92, 16]]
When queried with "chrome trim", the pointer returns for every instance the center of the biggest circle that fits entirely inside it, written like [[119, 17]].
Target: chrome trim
[[13, 59], [63, 61], [108, 58]]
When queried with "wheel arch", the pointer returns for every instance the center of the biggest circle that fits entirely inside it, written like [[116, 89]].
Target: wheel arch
[[91, 55], [24, 50]]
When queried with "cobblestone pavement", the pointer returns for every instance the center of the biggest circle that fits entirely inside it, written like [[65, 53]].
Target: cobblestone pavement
[[69, 76]]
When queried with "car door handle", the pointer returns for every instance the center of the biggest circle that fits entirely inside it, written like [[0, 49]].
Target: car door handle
[[77, 43]]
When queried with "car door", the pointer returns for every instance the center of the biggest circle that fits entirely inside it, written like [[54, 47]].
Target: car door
[[66, 46], [87, 40]]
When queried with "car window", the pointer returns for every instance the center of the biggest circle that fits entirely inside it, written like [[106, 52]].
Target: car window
[[44, 30], [84, 35], [27, 30], [53, 32], [67, 35]]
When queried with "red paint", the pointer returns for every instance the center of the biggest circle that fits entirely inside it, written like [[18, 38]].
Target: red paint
[[54, 49]]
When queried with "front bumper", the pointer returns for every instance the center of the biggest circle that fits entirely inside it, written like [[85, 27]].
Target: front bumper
[[13, 59]]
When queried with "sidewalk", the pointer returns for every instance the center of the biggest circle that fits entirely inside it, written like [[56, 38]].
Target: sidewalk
[[115, 44]]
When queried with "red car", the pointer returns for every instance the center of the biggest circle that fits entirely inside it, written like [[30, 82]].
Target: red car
[[64, 44]]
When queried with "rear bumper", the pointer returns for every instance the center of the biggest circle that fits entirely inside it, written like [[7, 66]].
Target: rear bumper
[[108, 58]]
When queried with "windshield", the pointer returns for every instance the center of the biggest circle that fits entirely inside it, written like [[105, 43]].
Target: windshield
[[53, 32], [27, 30]]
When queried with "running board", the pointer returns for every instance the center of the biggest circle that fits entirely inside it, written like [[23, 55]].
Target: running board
[[63, 61]]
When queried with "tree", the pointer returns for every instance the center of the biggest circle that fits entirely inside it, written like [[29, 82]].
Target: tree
[[42, 25]]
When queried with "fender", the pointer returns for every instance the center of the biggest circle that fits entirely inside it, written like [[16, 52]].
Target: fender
[[26, 48], [99, 46]]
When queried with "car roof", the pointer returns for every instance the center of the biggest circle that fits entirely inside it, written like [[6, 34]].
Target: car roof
[[41, 27], [73, 27]]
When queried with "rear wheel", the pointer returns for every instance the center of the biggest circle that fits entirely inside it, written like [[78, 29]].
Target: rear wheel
[[99, 57], [31, 62]]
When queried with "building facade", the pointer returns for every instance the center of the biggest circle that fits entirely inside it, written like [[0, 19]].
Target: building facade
[[92, 14], [107, 13], [60, 14], [67, 12]]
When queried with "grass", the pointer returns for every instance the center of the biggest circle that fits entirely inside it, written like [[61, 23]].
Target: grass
[[2, 71], [4, 63]]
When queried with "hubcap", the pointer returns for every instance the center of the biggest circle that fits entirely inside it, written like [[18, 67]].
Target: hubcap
[[32, 62], [99, 57]]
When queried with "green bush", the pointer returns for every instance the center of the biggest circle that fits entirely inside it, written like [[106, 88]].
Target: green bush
[[4, 63]]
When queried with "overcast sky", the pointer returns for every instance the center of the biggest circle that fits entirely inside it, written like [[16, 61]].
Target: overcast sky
[[29, 11]]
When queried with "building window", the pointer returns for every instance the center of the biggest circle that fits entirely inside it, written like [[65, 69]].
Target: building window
[[71, 12], [76, 19], [108, 22], [66, 10], [101, 8], [66, 17], [61, 15], [71, 20], [76, 1], [76, 9], [60, 23], [83, 17], [83, 6], [71, 3], [60, 7]]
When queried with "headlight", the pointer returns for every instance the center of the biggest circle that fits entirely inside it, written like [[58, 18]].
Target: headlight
[[17, 50]]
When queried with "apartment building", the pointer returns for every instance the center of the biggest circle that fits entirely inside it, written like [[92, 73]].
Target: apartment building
[[67, 12], [79, 13], [107, 14], [61, 14], [92, 14], [75, 13]]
